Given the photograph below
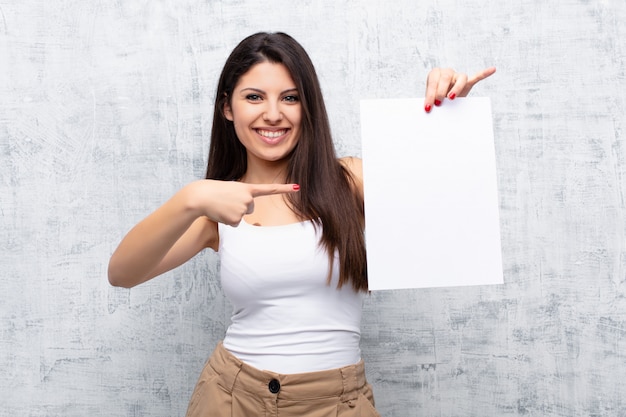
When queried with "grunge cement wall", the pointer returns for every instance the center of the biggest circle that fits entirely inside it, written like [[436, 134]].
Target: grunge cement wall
[[105, 111]]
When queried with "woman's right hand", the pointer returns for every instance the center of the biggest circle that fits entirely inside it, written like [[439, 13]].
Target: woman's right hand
[[228, 201]]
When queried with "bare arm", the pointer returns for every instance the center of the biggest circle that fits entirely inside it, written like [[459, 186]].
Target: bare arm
[[165, 239], [182, 227]]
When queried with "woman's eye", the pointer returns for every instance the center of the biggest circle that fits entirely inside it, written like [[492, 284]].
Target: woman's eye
[[253, 97], [292, 99]]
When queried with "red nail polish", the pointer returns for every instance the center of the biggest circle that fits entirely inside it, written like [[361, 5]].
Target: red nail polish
[[437, 102], [452, 96], [428, 107], [296, 187]]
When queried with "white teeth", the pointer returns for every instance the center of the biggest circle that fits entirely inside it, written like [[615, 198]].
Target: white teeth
[[271, 134]]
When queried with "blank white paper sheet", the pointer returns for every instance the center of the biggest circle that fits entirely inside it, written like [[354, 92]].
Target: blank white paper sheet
[[431, 195]]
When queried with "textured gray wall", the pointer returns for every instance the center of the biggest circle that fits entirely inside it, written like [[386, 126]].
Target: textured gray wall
[[105, 111]]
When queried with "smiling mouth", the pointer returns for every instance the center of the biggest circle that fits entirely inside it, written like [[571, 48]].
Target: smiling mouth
[[271, 134]]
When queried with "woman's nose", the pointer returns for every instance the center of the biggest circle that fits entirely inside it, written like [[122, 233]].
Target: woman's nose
[[272, 114]]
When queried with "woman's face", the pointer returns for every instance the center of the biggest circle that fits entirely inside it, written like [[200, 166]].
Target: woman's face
[[266, 112]]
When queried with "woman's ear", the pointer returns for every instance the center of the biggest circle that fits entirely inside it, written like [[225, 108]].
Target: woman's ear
[[227, 110]]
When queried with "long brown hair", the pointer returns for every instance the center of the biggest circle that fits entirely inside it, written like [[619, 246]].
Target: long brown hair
[[329, 196]]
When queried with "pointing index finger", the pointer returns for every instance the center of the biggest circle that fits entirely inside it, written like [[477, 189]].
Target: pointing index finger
[[258, 190], [481, 75]]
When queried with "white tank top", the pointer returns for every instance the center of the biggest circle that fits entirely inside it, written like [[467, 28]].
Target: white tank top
[[286, 317]]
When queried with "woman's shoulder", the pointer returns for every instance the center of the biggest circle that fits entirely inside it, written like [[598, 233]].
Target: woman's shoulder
[[354, 169], [354, 166]]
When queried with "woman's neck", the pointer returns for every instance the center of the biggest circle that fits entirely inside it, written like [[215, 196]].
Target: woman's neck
[[266, 173]]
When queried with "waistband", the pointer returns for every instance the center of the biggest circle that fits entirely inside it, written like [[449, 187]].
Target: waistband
[[340, 382]]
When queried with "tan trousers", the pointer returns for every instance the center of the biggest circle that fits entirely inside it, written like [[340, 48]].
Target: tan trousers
[[228, 387]]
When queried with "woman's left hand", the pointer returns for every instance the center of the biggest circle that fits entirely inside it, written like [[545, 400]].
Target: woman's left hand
[[445, 83]]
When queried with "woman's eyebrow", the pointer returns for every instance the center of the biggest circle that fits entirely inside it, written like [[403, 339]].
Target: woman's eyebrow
[[258, 90]]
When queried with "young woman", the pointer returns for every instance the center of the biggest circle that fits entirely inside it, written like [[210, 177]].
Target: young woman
[[286, 217]]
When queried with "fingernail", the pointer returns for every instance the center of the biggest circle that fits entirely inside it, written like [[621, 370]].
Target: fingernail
[[296, 187], [428, 107], [452, 96], [437, 102]]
